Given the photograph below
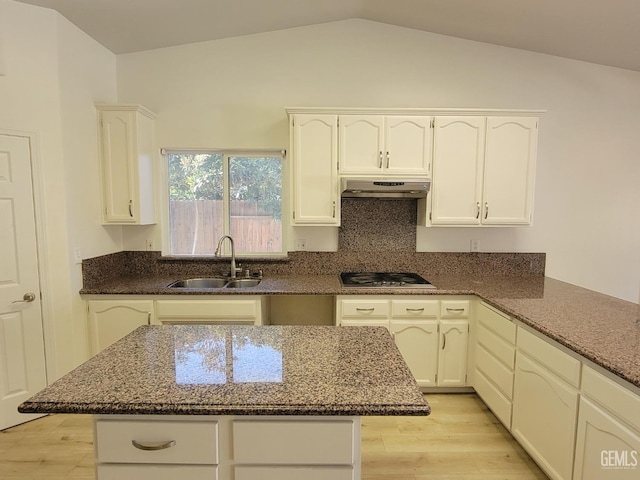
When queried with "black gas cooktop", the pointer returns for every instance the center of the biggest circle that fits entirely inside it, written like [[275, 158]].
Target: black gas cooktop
[[384, 280]]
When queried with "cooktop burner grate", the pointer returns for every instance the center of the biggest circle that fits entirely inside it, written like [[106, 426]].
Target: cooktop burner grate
[[384, 280]]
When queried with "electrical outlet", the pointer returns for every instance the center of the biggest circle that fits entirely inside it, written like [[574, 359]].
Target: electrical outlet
[[149, 244], [301, 244], [475, 245], [77, 255]]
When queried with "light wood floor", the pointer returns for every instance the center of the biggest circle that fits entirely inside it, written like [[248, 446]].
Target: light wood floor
[[460, 440]]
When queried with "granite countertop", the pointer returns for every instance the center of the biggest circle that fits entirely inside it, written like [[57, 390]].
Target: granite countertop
[[604, 329], [240, 370]]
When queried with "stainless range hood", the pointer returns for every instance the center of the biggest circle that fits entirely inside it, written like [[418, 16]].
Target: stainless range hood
[[384, 188]]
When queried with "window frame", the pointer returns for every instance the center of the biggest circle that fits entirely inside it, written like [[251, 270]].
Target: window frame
[[226, 220]]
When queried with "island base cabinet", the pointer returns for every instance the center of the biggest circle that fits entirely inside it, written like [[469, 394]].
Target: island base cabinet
[[294, 473], [544, 417], [157, 472], [227, 447]]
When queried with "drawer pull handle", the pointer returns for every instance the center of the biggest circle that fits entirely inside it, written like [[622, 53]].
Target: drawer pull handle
[[415, 309], [153, 446], [458, 310], [365, 309]]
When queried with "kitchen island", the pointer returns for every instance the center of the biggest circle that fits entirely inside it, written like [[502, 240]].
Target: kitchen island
[[235, 402]]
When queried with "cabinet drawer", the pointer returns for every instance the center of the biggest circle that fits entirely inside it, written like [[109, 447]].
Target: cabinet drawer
[[495, 370], [195, 442], [157, 472], [454, 309], [207, 308], [496, 401], [497, 322], [615, 398], [295, 442], [414, 308], [499, 348], [365, 308], [566, 367], [293, 473]]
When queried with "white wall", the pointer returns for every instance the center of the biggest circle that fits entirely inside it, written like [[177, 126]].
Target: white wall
[[54, 74], [232, 93]]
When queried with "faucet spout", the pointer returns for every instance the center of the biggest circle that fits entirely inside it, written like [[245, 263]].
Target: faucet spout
[[233, 254]]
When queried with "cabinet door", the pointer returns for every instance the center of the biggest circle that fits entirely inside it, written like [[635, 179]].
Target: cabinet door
[[458, 154], [361, 144], [127, 158], [109, 321], [509, 171], [544, 417], [315, 170], [604, 446], [418, 344], [118, 167], [408, 145], [452, 362]]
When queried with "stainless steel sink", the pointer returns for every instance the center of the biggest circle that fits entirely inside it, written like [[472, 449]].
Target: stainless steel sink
[[215, 282], [242, 282]]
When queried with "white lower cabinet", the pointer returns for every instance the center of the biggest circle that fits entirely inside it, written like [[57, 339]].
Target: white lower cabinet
[[430, 332], [495, 356], [110, 320], [545, 406], [452, 353], [608, 437], [227, 447], [418, 343]]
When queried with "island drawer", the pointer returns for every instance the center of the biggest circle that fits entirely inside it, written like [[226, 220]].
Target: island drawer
[[157, 472], [369, 308], [293, 473], [177, 442], [294, 442], [414, 308]]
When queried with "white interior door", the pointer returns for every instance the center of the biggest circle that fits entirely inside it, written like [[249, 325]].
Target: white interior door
[[22, 359]]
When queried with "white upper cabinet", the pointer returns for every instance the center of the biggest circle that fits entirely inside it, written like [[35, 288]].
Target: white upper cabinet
[[509, 171], [126, 153], [458, 151], [314, 145], [385, 145], [483, 170]]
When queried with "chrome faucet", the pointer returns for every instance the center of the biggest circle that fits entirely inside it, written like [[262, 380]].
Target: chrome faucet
[[234, 270]]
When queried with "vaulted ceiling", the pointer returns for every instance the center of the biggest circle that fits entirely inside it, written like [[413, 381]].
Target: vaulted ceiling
[[605, 32]]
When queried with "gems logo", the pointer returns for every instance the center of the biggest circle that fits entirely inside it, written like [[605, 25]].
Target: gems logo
[[619, 459]]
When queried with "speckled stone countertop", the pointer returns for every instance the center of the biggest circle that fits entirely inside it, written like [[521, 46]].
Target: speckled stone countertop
[[240, 370], [603, 329]]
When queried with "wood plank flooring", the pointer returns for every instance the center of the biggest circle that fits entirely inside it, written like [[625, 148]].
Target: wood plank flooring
[[460, 440]]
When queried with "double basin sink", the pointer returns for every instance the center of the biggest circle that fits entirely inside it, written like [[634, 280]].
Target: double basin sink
[[216, 282]]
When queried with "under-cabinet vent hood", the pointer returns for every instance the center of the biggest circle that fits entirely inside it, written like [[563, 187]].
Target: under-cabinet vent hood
[[385, 188]]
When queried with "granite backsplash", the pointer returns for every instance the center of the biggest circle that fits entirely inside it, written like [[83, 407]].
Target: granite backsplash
[[142, 264]]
